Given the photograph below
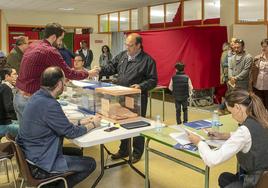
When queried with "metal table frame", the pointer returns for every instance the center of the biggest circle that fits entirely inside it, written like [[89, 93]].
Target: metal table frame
[[148, 149], [158, 89]]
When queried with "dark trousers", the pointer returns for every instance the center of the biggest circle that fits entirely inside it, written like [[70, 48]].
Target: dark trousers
[[229, 180], [263, 94], [138, 142], [181, 104]]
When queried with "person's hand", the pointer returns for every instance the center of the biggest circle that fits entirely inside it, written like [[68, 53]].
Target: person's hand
[[215, 135], [193, 138], [136, 86], [232, 80], [86, 120], [93, 72], [97, 120]]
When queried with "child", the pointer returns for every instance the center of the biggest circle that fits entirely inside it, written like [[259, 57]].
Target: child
[[181, 87]]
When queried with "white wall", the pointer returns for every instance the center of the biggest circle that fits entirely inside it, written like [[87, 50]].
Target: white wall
[[252, 35], [16, 17]]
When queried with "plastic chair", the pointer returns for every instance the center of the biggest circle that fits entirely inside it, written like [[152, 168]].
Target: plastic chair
[[6, 154], [263, 182], [26, 174]]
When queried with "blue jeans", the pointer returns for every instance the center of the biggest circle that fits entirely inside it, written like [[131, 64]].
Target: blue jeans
[[11, 128], [82, 166], [19, 103]]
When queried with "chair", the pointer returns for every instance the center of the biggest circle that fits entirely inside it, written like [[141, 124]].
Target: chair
[[6, 154], [263, 182], [26, 174]]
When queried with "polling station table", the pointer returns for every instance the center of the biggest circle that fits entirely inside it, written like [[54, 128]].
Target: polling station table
[[163, 138], [100, 137]]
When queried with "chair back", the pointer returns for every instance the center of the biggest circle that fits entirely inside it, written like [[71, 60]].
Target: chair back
[[263, 182], [22, 163], [6, 150]]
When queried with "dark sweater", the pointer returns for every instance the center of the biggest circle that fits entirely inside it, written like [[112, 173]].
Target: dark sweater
[[7, 112]]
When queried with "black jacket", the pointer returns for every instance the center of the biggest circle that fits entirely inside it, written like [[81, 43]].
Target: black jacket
[[7, 112], [141, 71]]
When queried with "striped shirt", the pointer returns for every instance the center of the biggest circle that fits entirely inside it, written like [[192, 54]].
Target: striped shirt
[[39, 56]]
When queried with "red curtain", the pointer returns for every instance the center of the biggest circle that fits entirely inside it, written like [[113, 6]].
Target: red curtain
[[198, 47]]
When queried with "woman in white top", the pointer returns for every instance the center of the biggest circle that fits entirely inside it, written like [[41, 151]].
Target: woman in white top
[[249, 142]]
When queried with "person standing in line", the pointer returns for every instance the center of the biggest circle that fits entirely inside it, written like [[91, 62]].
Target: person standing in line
[[135, 69], [182, 88], [105, 57], [15, 56], [86, 53], [258, 81]]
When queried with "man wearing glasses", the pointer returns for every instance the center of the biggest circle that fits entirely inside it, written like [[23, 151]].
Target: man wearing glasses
[[136, 69], [238, 71]]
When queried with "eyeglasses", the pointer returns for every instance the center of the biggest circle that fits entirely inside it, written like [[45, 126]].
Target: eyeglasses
[[129, 45], [77, 60]]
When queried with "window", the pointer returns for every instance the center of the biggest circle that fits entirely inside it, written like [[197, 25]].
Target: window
[[124, 21], [172, 11], [118, 21], [157, 14], [251, 11], [103, 26], [212, 9], [134, 19], [113, 21], [192, 10]]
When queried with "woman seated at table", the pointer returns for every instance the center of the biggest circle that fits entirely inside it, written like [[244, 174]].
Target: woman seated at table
[[249, 142]]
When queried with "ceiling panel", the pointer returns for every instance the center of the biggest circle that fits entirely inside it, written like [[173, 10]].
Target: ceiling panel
[[79, 6]]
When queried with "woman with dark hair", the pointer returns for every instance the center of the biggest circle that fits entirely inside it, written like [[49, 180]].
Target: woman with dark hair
[[105, 57], [249, 142], [258, 75]]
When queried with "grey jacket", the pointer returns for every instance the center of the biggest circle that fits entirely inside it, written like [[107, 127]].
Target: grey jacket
[[239, 68]]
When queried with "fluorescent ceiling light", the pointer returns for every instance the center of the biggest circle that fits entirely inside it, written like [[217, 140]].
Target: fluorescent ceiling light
[[66, 9]]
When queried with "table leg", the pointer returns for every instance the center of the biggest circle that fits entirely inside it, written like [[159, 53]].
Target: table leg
[[147, 183], [150, 99], [102, 166], [207, 177]]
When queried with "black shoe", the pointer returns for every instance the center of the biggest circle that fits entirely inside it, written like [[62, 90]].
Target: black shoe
[[135, 160], [118, 155]]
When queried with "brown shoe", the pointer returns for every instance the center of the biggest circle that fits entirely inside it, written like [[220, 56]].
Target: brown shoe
[[118, 156]]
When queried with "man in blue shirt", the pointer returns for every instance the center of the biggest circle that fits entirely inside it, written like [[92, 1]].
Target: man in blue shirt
[[44, 127]]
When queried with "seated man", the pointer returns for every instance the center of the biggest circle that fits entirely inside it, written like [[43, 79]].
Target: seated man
[[43, 128], [7, 112], [79, 63]]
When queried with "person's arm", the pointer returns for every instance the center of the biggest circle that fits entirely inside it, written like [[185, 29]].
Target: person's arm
[[150, 81], [238, 140], [71, 54], [90, 56], [55, 59], [245, 72], [230, 67], [100, 61], [170, 87], [58, 122], [190, 87]]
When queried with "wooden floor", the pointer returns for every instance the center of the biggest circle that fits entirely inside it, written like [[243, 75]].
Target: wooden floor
[[163, 173]]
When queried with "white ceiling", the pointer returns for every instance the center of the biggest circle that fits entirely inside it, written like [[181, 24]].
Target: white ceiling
[[80, 6]]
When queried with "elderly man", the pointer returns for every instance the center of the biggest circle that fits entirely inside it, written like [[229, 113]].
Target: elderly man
[[136, 69], [238, 70], [36, 59], [43, 128], [15, 56]]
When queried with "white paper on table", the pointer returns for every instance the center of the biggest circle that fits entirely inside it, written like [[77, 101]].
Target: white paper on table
[[180, 137], [81, 83]]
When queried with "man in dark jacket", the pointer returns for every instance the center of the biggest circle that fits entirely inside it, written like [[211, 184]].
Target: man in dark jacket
[[136, 69], [86, 53], [7, 112], [15, 56]]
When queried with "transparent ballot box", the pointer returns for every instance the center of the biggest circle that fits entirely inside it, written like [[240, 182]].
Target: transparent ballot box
[[82, 93], [118, 104]]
